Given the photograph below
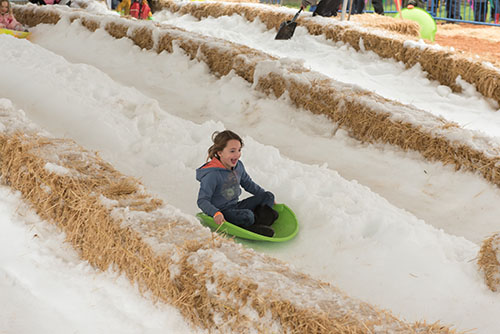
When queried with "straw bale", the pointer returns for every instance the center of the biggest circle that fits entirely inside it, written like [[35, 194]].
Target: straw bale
[[30, 15], [442, 66], [116, 30], [90, 24], [388, 23], [368, 125], [166, 41], [108, 235], [80, 3], [439, 64], [221, 62], [273, 19], [168, 5], [72, 203], [488, 261], [358, 119], [143, 37], [221, 58]]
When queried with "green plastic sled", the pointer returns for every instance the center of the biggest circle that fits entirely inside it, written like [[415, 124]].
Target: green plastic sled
[[428, 27], [285, 227]]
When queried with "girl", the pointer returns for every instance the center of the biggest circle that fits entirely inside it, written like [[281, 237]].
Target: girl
[[220, 180], [7, 20]]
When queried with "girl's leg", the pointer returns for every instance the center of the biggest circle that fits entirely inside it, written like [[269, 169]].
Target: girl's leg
[[242, 213], [245, 218], [241, 217], [252, 202], [262, 207]]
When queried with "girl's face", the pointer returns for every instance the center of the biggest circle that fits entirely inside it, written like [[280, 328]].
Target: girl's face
[[230, 155], [4, 7]]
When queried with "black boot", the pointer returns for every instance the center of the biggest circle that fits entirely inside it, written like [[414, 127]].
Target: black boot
[[265, 215], [260, 229]]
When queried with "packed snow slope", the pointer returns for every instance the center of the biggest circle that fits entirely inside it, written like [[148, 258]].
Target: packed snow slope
[[381, 224], [47, 288], [430, 202]]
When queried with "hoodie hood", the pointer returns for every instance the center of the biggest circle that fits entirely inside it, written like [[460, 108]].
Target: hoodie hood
[[208, 167]]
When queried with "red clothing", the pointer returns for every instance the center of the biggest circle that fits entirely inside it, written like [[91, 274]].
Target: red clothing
[[134, 9], [145, 11], [8, 21], [140, 11]]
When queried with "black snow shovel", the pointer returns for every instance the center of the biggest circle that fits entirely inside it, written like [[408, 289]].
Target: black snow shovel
[[287, 28]]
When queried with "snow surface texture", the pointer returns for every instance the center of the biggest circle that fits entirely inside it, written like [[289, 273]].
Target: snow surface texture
[[215, 283], [365, 116], [415, 270], [372, 33]]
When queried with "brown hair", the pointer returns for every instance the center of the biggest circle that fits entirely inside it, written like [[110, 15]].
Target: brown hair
[[220, 140], [9, 8]]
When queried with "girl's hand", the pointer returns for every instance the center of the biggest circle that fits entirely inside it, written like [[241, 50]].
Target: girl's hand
[[219, 218]]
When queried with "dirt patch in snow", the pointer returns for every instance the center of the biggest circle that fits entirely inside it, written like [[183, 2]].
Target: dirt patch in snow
[[474, 40]]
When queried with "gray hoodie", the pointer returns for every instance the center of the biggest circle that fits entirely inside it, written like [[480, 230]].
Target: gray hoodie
[[220, 187]]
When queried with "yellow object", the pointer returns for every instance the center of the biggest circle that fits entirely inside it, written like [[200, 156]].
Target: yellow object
[[150, 16], [124, 7], [15, 33]]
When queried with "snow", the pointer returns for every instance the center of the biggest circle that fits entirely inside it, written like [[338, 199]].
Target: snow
[[46, 288], [383, 225], [56, 169]]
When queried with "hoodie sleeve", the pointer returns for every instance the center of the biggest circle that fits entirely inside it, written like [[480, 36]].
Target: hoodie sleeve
[[248, 184], [208, 184]]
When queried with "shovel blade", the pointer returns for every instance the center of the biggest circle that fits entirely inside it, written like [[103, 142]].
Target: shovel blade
[[286, 30]]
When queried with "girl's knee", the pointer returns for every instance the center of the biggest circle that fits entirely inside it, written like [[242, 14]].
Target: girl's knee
[[242, 217], [246, 218], [269, 198]]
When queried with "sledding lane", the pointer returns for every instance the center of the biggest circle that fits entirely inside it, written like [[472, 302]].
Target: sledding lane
[[428, 190], [113, 97], [341, 62]]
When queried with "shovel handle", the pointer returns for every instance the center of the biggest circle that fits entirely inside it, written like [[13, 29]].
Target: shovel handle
[[296, 16]]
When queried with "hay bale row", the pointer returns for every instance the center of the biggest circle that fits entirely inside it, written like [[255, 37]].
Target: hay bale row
[[113, 223], [441, 64], [489, 254], [365, 115], [272, 16], [370, 118]]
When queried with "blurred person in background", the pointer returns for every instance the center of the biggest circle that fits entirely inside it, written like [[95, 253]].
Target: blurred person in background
[[453, 9], [495, 11], [329, 8], [480, 10], [7, 19], [324, 8]]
